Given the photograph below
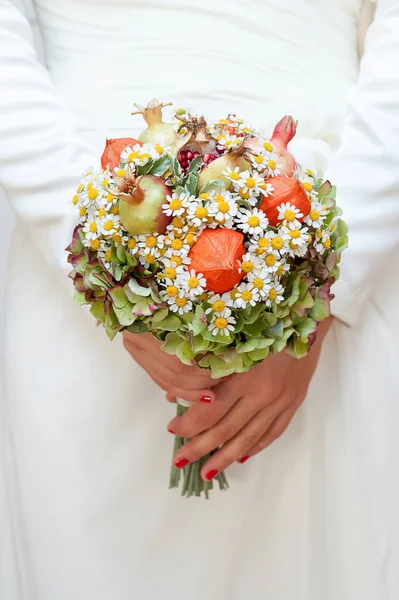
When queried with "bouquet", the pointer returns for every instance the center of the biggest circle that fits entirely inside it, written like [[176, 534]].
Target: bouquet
[[213, 239]]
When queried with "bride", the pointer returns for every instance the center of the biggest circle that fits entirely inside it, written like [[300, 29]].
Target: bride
[[86, 447]]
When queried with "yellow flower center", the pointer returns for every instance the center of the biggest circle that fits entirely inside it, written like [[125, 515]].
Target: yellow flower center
[[105, 182], [310, 239], [181, 301], [218, 306], [314, 214], [150, 259], [102, 212], [82, 211], [272, 294], [234, 175], [309, 172], [250, 182], [295, 233], [243, 194], [318, 234], [115, 210], [268, 146], [308, 186], [280, 270], [131, 243], [193, 282], [178, 233], [75, 199], [253, 221], [120, 172], [327, 243], [246, 295], [117, 238], [271, 164], [107, 255], [172, 291], [89, 186], [177, 259], [234, 293], [170, 273], [80, 188], [159, 149], [223, 207], [219, 198], [92, 194], [277, 243], [258, 159], [177, 222], [175, 204], [289, 215], [203, 297], [258, 283], [293, 245], [108, 225], [93, 227], [162, 251], [201, 212], [204, 196], [190, 239], [263, 243], [177, 244], [132, 156], [270, 260], [145, 156], [247, 266], [151, 241], [221, 323], [95, 244], [110, 198]]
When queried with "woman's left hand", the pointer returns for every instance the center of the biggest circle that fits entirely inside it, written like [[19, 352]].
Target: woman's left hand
[[251, 410]]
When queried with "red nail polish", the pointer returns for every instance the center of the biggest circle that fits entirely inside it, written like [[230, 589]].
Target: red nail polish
[[171, 430], [181, 462], [243, 459], [206, 399], [211, 474]]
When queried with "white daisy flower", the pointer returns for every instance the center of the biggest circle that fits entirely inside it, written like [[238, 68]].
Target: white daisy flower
[[222, 324], [249, 262], [323, 242], [249, 184], [120, 239], [259, 281], [279, 240], [300, 235], [171, 271], [289, 214], [275, 293], [232, 174], [180, 303], [177, 204], [317, 215], [193, 283], [266, 188], [91, 229], [283, 267], [136, 155], [268, 146], [222, 207], [197, 213], [246, 294], [258, 244], [228, 140], [273, 166], [109, 224], [271, 261], [259, 160], [220, 304], [150, 244], [252, 221], [175, 245], [171, 291]]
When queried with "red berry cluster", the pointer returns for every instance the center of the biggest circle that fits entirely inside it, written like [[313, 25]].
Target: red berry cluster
[[186, 156]]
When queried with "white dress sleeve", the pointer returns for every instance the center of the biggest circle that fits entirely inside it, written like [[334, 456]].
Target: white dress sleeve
[[366, 166], [41, 153]]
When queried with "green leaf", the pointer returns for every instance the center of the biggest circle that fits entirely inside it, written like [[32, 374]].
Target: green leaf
[[80, 298], [121, 254], [219, 338], [144, 308], [254, 329], [138, 327], [97, 310], [195, 165], [138, 289], [191, 184], [176, 169], [125, 314], [118, 296], [160, 315], [275, 332], [199, 322], [211, 185], [172, 342], [326, 190], [258, 354], [305, 329], [171, 323], [160, 166], [269, 319], [184, 353], [198, 344], [321, 308]]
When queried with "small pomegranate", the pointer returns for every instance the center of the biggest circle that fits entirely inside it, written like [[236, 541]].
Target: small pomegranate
[[216, 254], [196, 141], [214, 170], [157, 131], [286, 189], [111, 157], [140, 202], [283, 133]]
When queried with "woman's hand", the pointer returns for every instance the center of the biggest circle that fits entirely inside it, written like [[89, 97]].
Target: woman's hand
[[178, 380], [251, 410]]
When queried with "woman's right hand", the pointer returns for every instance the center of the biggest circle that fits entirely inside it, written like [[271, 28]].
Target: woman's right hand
[[169, 373]]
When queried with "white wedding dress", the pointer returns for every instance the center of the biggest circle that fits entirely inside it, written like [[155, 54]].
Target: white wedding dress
[[86, 452]]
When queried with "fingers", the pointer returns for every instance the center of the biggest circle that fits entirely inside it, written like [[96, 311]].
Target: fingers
[[226, 429], [276, 429]]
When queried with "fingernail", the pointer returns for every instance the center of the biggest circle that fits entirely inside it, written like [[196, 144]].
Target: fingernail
[[181, 462], [206, 399], [211, 474], [243, 459], [171, 430]]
